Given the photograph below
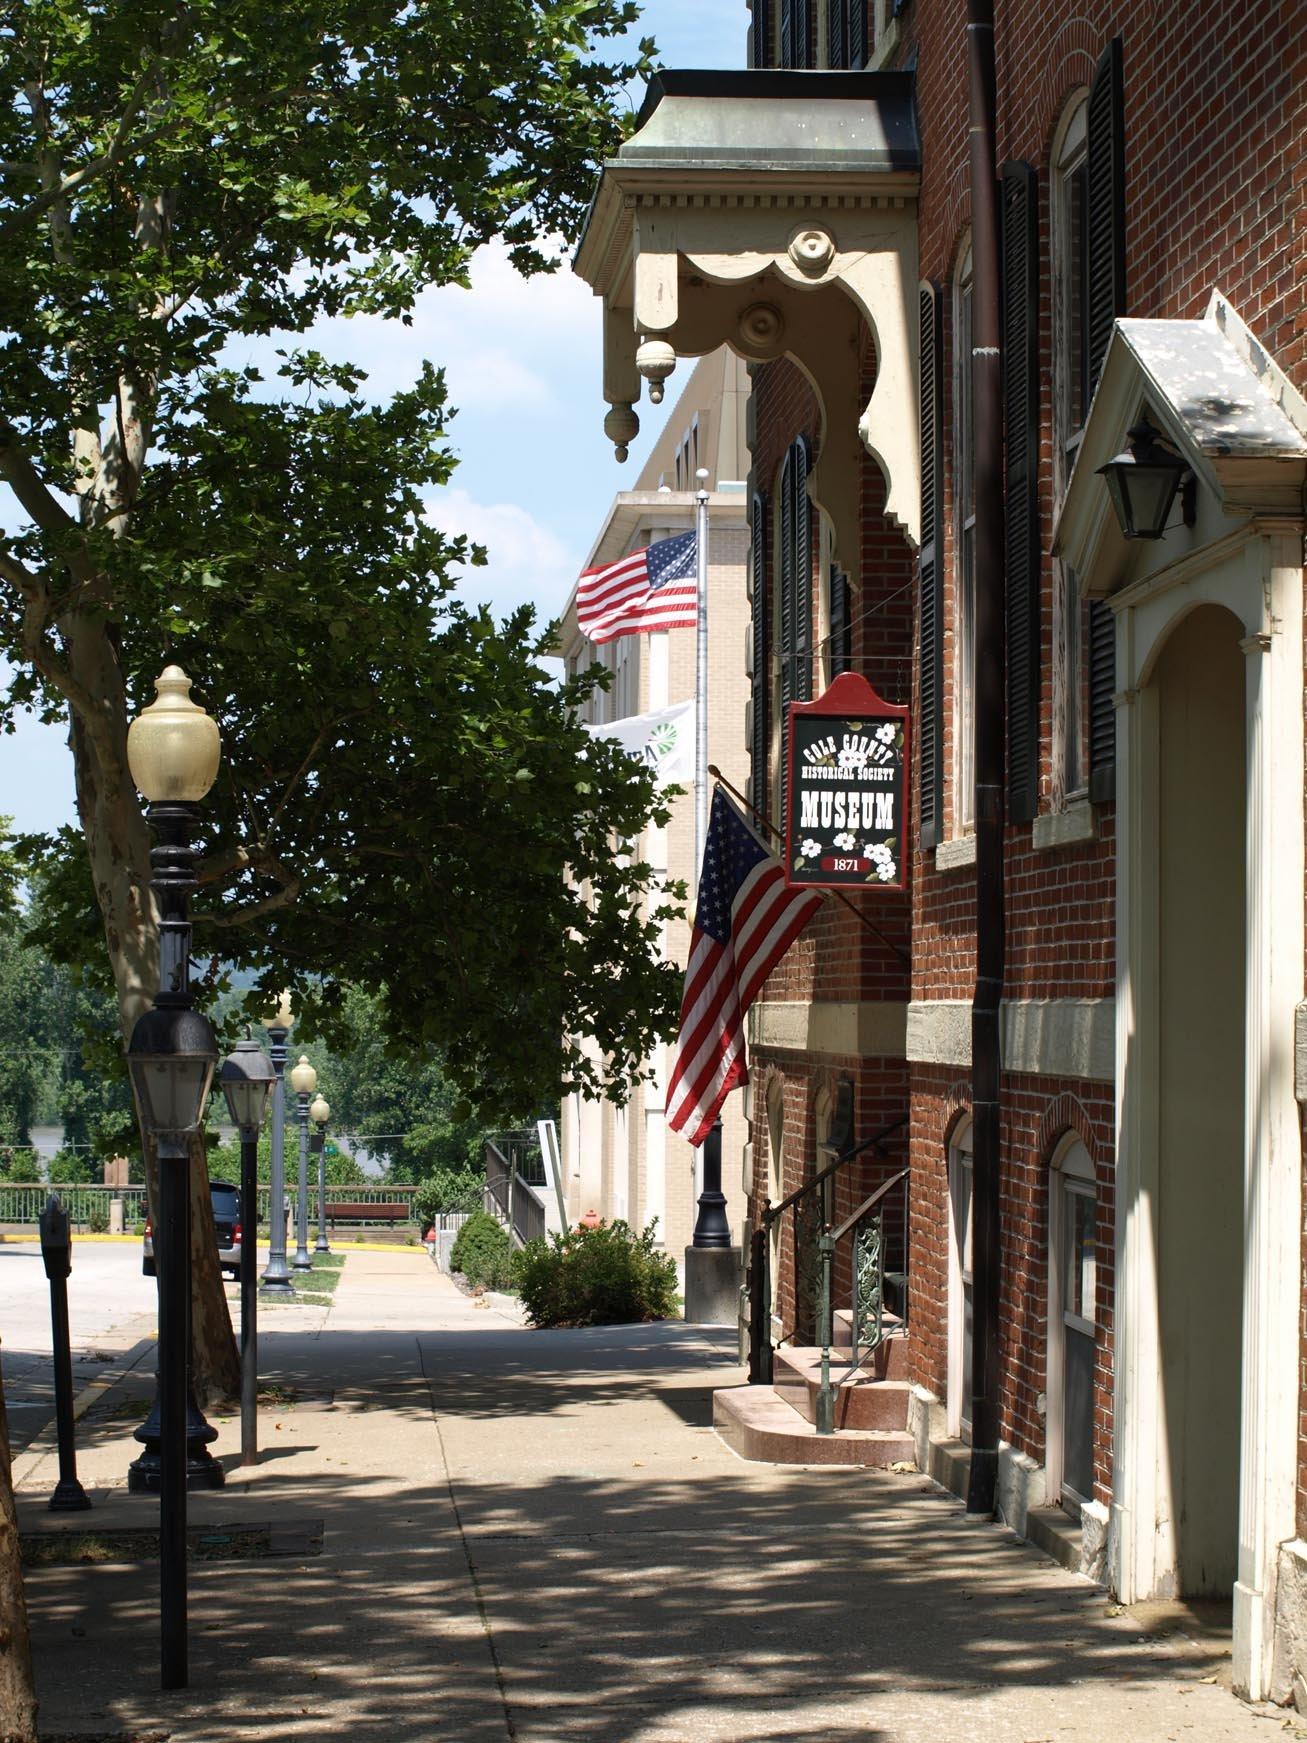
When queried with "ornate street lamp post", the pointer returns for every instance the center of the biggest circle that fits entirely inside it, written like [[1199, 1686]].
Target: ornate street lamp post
[[320, 1113], [276, 1278], [303, 1080], [246, 1078], [173, 750]]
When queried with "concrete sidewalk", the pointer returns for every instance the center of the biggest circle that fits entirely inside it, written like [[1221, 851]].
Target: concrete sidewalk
[[487, 1533]]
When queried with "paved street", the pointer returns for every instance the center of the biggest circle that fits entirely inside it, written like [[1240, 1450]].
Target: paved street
[[110, 1306], [487, 1534]]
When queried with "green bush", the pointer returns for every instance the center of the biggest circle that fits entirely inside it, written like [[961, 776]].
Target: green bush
[[68, 1167], [97, 1218], [602, 1276], [484, 1253], [449, 1191]]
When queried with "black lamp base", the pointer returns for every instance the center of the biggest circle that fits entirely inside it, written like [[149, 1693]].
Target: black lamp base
[[202, 1470], [69, 1497]]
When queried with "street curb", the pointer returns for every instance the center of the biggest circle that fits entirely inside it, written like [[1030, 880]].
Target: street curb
[[344, 1246], [46, 1440], [77, 1239]]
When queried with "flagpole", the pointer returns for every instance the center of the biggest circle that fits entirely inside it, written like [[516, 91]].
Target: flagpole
[[701, 673]]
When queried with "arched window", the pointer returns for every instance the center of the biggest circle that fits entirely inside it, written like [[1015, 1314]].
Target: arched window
[[1072, 1322], [960, 1203]]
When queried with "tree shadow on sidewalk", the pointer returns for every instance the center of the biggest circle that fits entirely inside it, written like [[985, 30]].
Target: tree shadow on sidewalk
[[532, 1601]]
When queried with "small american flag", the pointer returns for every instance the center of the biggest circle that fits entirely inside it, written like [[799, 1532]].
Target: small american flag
[[656, 588], [747, 919]]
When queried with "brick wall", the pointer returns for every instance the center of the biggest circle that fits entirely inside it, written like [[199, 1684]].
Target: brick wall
[[1216, 180]]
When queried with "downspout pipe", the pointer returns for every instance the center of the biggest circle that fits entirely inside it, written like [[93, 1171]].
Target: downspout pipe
[[990, 655]]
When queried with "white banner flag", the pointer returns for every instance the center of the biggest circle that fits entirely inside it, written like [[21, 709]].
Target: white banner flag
[[664, 740]]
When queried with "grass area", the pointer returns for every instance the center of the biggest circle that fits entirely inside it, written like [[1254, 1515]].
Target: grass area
[[316, 1288]]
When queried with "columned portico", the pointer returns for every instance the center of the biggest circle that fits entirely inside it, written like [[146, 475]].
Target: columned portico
[[1212, 610]]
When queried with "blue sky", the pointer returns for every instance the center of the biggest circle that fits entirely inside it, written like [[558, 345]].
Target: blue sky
[[536, 472]]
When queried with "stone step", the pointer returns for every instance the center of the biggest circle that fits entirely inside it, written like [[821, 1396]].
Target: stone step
[[890, 1360], [758, 1424], [861, 1401]]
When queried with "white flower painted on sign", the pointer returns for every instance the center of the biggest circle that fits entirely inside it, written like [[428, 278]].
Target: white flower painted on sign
[[886, 733], [811, 848], [853, 758], [845, 842], [886, 871]]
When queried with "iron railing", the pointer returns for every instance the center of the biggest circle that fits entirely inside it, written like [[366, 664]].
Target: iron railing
[[814, 1253], [509, 1195], [87, 1204]]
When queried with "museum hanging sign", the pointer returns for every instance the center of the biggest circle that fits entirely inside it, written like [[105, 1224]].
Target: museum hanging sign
[[846, 810]]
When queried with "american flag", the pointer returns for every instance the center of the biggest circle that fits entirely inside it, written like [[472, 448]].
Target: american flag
[[656, 588], [747, 919]]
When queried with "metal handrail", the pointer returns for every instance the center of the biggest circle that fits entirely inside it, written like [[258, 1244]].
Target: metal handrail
[[760, 1344], [867, 1203], [770, 1213]]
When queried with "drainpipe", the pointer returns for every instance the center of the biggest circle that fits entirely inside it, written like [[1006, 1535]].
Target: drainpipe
[[987, 447]]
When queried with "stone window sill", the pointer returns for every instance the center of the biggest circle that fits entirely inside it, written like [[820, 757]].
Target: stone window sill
[[1065, 828], [957, 854]]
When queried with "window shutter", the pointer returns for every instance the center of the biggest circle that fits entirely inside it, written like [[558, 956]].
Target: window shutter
[[796, 33], [1105, 300], [802, 574], [1020, 204], [1105, 191], [1102, 705], [785, 587], [841, 624], [837, 36], [759, 734], [931, 573], [858, 33], [760, 34]]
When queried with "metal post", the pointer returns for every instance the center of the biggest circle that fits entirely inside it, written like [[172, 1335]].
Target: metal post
[[57, 1253], [712, 1229], [825, 1422], [320, 1141], [249, 1298], [172, 1251], [757, 1302], [276, 1277], [303, 1260], [987, 447]]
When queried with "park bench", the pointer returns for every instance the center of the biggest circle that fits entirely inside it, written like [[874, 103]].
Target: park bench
[[345, 1212]]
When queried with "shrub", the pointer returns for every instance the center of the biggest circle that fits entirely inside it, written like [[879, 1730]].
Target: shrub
[[446, 1190], [484, 1253], [97, 1218], [68, 1167], [607, 1275]]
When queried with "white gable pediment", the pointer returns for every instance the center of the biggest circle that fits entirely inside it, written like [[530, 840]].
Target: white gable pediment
[[1225, 406]]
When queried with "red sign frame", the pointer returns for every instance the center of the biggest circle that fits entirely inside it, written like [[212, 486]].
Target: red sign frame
[[866, 772]]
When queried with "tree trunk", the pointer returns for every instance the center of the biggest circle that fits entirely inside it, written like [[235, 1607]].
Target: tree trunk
[[17, 1687], [118, 848]]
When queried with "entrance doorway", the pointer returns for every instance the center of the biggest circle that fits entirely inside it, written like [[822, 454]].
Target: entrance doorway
[[1201, 906]]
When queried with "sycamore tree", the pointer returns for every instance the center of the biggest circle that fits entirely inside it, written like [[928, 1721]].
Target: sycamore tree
[[405, 801]]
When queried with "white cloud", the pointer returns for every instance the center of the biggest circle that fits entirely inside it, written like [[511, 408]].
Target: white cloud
[[527, 563], [505, 341]]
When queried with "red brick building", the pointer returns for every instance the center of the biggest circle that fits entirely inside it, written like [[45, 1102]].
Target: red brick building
[[1152, 186]]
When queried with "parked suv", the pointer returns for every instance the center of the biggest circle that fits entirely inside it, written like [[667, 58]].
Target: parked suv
[[226, 1200]]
